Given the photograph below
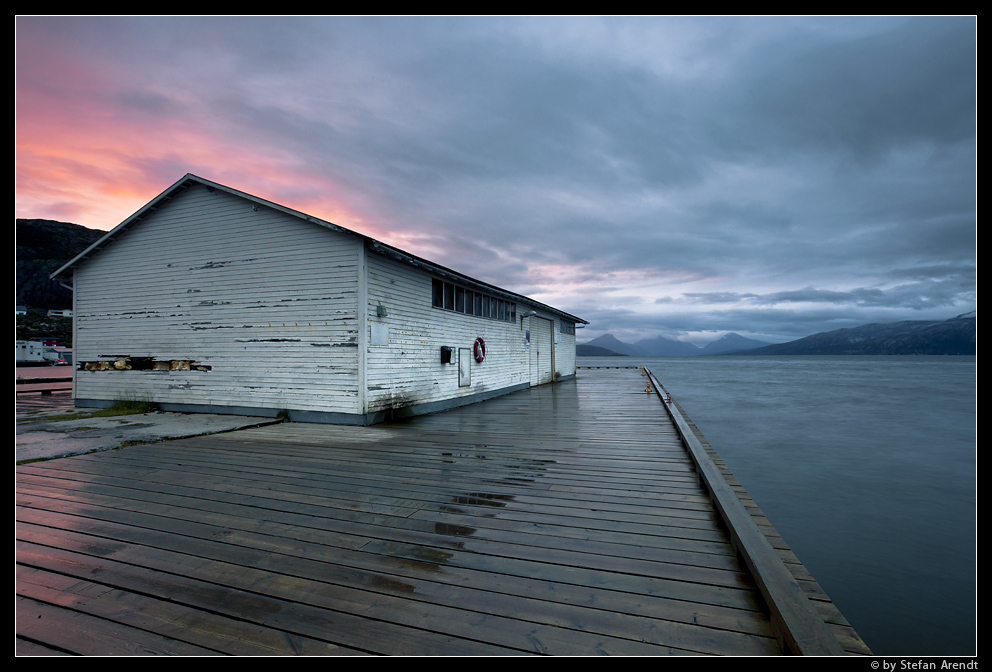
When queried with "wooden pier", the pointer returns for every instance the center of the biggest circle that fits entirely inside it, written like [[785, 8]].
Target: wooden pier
[[44, 386], [567, 519]]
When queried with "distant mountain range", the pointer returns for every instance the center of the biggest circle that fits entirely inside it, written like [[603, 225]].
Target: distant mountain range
[[660, 346], [956, 336]]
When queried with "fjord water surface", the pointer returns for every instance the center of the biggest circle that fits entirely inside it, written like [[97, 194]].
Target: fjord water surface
[[867, 467]]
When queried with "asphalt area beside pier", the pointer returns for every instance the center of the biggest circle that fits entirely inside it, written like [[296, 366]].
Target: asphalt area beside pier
[[49, 426]]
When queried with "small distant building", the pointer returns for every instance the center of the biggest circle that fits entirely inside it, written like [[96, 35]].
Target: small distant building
[[20, 310], [52, 312], [40, 352], [213, 300], [29, 352]]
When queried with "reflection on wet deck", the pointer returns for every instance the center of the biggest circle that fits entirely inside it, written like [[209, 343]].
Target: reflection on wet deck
[[563, 520]]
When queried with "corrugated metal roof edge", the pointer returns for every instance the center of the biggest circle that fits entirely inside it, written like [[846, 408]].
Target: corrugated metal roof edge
[[375, 245]]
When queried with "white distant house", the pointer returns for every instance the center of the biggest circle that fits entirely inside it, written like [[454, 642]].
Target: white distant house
[[210, 299], [28, 353]]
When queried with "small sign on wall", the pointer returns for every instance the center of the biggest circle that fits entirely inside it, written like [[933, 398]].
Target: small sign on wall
[[380, 333], [464, 367]]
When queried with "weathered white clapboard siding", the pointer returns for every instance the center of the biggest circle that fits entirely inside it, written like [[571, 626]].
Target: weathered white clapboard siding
[[408, 371], [277, 310], [267, 300]]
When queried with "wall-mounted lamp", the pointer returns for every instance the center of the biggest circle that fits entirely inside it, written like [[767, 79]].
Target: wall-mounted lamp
[[380, 310]]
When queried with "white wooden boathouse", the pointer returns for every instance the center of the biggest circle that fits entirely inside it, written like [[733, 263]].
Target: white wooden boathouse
[[213, 300]]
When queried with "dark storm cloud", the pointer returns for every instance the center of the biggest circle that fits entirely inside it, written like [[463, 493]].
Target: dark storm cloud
[[863, 94], [934, 293]]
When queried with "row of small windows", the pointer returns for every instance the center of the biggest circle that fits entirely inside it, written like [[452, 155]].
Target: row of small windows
[[448, 296]]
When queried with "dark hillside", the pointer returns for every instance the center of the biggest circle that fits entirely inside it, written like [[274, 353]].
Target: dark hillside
[[956, 336], [41, 247]]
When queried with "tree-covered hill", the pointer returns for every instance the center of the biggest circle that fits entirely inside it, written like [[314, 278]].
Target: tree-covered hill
[[42, 246]]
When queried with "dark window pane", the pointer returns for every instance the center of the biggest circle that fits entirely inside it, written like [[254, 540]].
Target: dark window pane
[[449, 296], [437, 294]]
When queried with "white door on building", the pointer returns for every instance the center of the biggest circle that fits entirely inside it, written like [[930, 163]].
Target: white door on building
[[542, 351]]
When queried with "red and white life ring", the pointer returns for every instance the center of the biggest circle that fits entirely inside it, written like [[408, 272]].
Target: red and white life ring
[[480, 350]]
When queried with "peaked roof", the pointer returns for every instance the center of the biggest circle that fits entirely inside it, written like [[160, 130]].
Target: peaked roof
[[376, 246]]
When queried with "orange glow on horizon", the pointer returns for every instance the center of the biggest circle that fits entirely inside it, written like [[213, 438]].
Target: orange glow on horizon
[[96, 141], [99, 180]]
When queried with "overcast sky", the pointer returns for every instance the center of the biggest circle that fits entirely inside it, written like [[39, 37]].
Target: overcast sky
[[683, 177]]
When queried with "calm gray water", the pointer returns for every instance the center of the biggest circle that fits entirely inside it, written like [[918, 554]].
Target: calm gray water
[[866, 466]]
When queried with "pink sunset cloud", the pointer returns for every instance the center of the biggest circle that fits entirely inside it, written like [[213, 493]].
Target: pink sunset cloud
[[89, 152]]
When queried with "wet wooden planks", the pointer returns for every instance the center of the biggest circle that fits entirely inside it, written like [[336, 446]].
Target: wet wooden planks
[[565, 520]]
